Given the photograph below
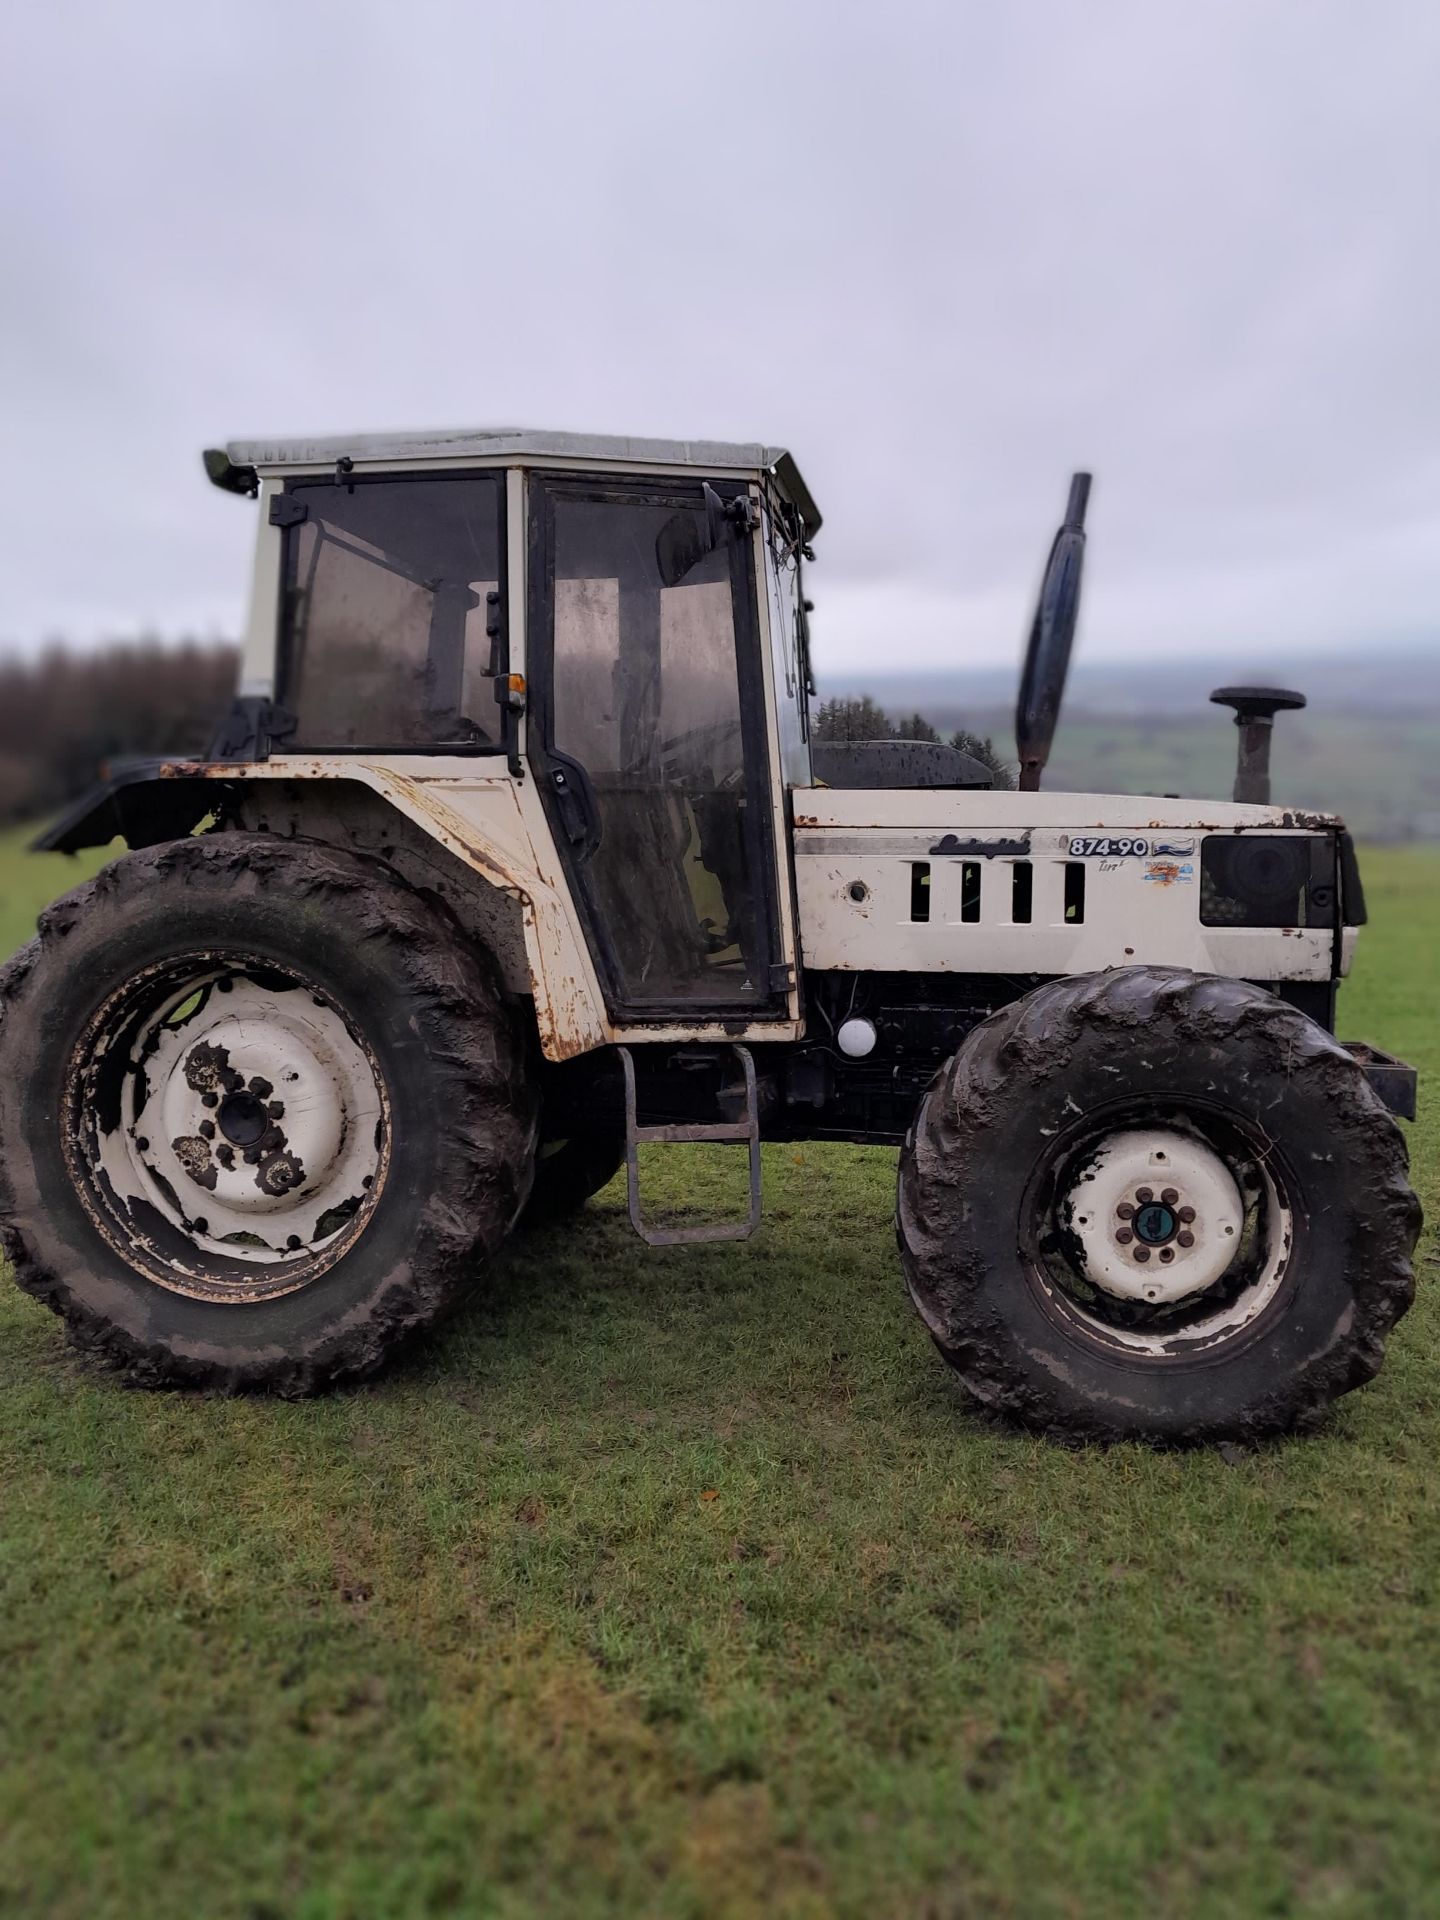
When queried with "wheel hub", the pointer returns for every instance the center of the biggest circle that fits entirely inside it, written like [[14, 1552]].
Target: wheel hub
[[251, 1120], [1156, 1214], [242, 1119], [1155, 1225]]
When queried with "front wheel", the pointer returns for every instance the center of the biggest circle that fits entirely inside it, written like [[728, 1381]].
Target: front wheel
[[1156, 1205], [570, 1172]]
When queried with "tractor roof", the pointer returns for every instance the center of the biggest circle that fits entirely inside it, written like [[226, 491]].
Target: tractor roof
[[498, 443]]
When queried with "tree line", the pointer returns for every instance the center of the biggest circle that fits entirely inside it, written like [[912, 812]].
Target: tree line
[[858, 717], [65, 715]]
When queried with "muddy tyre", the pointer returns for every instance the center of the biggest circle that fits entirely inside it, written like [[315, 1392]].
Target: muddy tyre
[[263, 1112], [570, 1172], [1156, 1205]]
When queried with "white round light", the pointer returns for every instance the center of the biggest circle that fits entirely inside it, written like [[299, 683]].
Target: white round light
[[857, 1038]]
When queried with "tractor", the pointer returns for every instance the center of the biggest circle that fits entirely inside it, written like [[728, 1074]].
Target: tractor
[[517, 854]]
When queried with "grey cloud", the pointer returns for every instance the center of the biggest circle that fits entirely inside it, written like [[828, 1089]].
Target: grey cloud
[[944, 252]]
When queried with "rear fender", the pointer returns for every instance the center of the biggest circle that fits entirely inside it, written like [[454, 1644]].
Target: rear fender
[[501, 836], [134, 805]]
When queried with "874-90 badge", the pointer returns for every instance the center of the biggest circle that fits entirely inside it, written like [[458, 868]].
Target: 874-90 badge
[[1086, 846]]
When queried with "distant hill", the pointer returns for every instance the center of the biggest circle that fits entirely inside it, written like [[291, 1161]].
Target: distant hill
[[1367, 746]]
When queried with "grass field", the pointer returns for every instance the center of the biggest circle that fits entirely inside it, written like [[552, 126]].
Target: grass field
[[688, 1584]]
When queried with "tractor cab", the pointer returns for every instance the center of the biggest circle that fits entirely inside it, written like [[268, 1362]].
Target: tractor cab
[[620, 620]]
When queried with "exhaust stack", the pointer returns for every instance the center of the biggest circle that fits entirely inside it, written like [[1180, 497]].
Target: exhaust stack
[[1255, 711], [1047, 658]]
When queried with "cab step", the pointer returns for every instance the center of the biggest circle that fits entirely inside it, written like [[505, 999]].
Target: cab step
[[745, 1131]]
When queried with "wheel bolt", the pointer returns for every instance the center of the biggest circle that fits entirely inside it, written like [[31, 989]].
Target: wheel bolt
[[1125, 1210], [1167, 1253], [1142, 1253], [1187, 1214], [1144, 1195], [1169, 1196], [1185, 1239], [1124, 1236]]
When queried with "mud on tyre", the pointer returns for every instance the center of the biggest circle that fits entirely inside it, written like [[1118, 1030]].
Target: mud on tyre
[[1156, 1204], [263, 1111]]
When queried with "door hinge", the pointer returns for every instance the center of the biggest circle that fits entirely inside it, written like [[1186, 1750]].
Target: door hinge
[[286, 510], [252, 727]]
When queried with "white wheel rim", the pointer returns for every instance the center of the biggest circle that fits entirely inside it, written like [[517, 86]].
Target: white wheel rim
[[1171, 1256], [251, 1137], [1157, 1214]]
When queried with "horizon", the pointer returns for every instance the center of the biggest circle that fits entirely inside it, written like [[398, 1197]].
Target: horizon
[[843, 680]]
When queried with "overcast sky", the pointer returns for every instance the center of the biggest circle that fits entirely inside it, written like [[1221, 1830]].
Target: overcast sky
[[945, 253]]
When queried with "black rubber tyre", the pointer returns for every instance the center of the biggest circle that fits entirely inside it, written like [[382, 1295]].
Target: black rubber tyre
[[1004, 1131], [404, 990], [568, 1173]]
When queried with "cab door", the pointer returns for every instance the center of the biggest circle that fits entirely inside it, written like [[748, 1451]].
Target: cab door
[[648, 738]]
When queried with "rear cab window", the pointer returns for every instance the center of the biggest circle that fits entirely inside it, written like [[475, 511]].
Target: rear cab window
[[388, 641]]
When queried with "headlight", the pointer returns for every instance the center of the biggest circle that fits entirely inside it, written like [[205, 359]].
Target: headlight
[[1267, 880]]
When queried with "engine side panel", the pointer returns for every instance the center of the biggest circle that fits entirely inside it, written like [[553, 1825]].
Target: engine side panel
[[1008, 883]]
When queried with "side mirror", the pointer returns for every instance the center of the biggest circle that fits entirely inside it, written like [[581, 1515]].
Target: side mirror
[[686, 538]]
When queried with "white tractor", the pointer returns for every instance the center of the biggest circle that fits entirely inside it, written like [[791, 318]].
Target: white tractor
[[517, 853]]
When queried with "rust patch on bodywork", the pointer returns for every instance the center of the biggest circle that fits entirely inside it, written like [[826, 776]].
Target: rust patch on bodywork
[[446, 826], [209, 769], [1311, 822]]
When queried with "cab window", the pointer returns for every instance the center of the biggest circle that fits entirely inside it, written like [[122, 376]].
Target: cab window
[[384, 628]]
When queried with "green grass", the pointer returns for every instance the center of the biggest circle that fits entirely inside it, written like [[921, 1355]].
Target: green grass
[[688, 1584], [30, 881]]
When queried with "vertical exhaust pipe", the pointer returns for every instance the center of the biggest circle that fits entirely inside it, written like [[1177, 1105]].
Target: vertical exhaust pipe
[[1255, 711], [1052, 632]]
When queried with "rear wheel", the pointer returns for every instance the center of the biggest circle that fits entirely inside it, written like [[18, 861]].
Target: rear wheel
[[262, 1112], [1156, 1205]]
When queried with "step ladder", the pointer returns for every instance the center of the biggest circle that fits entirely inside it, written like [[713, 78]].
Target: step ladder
[[734, 1132]]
